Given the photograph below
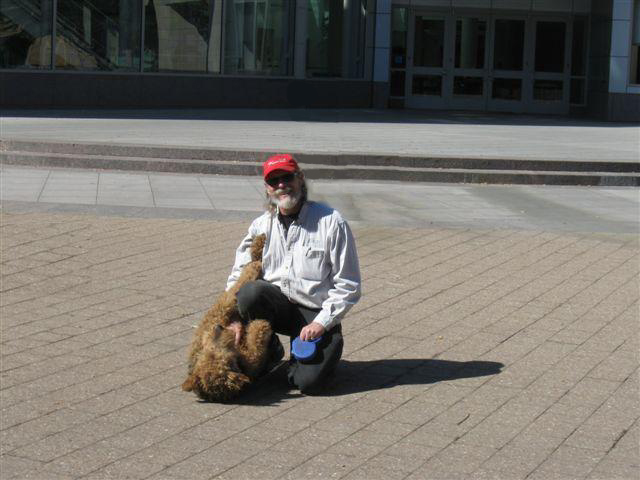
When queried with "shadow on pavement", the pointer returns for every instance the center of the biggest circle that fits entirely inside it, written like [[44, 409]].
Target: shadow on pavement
[[365, 376], [353, 377]]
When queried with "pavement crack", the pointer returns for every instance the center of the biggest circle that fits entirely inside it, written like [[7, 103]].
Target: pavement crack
[[619, 437], [464, 419]]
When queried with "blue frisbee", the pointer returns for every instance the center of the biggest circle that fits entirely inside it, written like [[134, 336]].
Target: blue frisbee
[[304, 350]]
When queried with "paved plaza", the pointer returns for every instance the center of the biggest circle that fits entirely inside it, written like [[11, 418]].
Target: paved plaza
[[497, 337], [393, 204]]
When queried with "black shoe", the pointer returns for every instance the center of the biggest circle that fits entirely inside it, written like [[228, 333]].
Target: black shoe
[[276, 351], [291, 368]]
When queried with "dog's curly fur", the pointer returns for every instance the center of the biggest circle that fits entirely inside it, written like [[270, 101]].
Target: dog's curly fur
[[218, 368]]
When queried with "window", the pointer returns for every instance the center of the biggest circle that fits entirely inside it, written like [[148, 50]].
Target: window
[[236, 37], [634, 61], [399, 26], [336, 37], [182, 35], [579, 42], [428, 45], [101, 35], [508, 51], [25, 39], [259, 37], [471, 34], [550, 41]]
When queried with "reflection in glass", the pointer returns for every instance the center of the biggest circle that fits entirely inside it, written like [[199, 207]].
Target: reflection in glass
[[579, 47], [399, 37], [634, 54], [509, 45], [258, 37], [548, 90], [429, 43], [577, 95], [182, 35], [25, 34], [507, 89], [336, 38], [427, 85], [470, 41], [101, 35], [550, 46], [634, 71], [397, 83], [468, 86]]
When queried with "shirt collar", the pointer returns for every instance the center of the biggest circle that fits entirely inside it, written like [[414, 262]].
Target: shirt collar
[[302, 215]]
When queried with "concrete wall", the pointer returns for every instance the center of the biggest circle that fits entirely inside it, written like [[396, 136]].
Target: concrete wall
[[77, 90], [621, 30], [611, 97]]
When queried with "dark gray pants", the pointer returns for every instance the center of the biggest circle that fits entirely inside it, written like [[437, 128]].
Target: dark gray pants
[[261, 299]]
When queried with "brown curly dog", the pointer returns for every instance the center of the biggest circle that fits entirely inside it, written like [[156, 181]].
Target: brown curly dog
[[218, 368]]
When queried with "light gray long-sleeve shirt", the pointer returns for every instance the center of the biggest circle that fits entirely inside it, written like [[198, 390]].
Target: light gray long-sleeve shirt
[[315, 264]]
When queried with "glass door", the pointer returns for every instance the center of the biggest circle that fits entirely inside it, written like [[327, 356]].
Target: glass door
[[429, 61], [508, 79], [551, 66], [472, 61], [469, 79]]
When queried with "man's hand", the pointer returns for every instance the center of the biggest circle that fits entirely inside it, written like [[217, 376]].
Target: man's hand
[[237, 328], [311, 332]]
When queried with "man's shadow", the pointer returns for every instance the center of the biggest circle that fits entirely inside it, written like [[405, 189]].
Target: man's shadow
[[365, 376]]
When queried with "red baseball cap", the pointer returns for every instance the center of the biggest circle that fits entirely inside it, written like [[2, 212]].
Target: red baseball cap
[[282, 161]]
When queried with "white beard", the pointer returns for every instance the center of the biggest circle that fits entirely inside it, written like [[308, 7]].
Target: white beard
[[288, 202]]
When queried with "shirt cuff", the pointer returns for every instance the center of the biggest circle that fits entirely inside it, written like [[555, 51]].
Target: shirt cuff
[[324, 319]]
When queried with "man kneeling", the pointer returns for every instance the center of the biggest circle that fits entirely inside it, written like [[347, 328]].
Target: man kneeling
[[311, 275]]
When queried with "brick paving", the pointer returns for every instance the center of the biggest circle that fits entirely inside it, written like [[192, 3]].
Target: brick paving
[[474, 354]]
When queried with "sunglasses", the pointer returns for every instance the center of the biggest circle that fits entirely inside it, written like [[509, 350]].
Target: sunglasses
[[275, 181]]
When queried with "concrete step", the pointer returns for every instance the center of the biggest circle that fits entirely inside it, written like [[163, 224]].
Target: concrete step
[[320, 166]]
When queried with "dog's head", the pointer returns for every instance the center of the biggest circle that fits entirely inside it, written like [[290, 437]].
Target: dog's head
[[216, 374]]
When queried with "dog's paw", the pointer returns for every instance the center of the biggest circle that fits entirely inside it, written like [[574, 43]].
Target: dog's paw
[[257, 245], [188, 384]]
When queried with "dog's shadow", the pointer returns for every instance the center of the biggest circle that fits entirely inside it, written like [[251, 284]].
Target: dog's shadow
[[363, 376]]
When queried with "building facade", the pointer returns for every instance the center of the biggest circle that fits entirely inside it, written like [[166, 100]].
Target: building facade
[[569, 57]]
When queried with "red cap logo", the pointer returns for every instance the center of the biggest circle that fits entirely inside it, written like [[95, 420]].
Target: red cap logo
[[283, 162]]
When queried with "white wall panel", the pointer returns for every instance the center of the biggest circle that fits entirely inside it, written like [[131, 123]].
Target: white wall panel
[[381, 65], [383, 6], [622, 9], [619, 68], [620, 38], [383, 30]]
